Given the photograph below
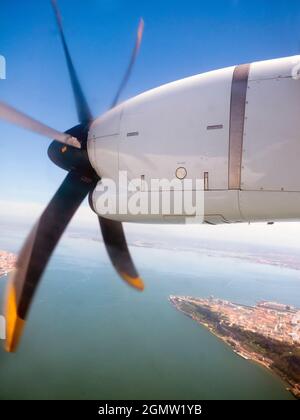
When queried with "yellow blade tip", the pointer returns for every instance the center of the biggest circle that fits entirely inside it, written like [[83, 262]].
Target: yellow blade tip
[[14, 324], [135, 282]]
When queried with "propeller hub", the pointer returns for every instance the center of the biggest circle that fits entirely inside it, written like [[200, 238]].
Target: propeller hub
[[71, 159]]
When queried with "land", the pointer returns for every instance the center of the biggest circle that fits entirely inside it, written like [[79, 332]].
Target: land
[[268, 333], [7, 262], [236, 251]]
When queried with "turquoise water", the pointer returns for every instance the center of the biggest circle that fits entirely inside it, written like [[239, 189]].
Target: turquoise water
[[90, 336]]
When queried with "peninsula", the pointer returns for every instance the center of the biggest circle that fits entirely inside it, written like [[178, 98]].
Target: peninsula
[[7, 262], [268, 333]]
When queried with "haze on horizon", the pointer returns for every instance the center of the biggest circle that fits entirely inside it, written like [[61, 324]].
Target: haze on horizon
[[284, 235]]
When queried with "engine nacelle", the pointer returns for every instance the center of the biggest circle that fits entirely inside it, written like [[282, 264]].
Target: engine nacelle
[[236, 129]]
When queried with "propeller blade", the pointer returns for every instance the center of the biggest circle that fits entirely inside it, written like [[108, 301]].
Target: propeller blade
[[15, 117], [117, 249], [83, 110], [37, 251], [112, 231], [132, 61]]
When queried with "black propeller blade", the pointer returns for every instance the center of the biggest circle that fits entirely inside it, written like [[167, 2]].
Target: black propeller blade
[[37, 251], [83, 110], [131, 64], [112, 231], [116, 246], [80, 181]]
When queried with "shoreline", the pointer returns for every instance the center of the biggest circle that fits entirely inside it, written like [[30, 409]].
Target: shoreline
[[7, 263], [6, 274], [244, 353]]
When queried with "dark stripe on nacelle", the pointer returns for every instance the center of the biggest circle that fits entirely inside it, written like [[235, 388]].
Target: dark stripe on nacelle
[[237, 122]]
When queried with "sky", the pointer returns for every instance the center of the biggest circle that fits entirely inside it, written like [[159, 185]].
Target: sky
[[181, 38]]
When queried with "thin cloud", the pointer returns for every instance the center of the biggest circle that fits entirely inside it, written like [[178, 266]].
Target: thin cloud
[[281, 234]]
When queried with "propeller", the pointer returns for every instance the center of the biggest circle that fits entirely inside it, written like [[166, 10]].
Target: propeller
[[37, 250], [83, 110], [138, 42], [117, 249], [78, 184], [13, 116]]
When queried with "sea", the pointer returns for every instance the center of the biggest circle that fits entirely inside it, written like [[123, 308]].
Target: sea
[[90, 336]]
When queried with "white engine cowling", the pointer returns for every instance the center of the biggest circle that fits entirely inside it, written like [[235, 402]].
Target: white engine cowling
[[237, 129]]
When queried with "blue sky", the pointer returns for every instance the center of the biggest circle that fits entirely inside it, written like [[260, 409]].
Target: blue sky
[[181, 38]]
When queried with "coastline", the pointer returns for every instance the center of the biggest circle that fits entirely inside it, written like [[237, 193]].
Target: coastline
[[242, 352], [7, 263], [6, 274]]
